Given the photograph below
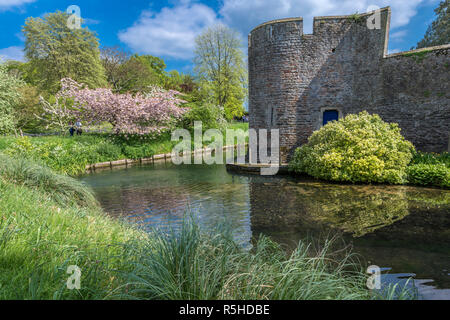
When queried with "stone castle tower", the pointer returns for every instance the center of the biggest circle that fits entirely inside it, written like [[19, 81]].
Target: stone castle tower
[[298, 82]]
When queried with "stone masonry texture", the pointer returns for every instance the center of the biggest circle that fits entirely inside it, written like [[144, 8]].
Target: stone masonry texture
[[294, 77]]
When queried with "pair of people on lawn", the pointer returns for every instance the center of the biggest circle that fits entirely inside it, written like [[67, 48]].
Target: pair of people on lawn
[[77, 128]]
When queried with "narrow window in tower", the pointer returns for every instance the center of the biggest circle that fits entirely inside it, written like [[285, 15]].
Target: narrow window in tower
[[272, 117], [269, 31]]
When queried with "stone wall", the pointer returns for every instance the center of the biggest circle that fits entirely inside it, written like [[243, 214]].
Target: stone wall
[[295, 77]]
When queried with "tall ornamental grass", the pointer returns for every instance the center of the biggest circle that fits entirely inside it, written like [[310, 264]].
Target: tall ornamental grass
[[62, 189], [197, 265]]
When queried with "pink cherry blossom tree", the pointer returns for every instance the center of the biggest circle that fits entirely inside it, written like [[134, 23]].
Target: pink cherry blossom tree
[[129, 114]]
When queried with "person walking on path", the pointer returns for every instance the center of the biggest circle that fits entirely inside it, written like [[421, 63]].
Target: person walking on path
[[71, 129], [79, 130]]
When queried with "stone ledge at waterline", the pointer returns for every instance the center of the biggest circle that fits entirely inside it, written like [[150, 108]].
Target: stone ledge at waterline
[[256, 168], [126, 162]]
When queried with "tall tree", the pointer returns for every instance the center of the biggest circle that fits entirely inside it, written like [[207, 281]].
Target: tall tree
[[56, 51], [113, 61], [219, 64], [9, 98], [142, 72], [438, 32], [136, 73]]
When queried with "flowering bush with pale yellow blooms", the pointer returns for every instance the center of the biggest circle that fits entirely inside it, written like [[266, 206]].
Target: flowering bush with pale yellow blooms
[[358, 148]]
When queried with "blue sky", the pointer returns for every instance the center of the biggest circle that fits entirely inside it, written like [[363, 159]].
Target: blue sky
[[167, 28]]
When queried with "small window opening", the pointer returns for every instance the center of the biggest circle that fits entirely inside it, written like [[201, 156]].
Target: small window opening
[[330, 115]]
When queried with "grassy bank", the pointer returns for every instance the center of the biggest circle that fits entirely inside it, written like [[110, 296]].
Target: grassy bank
[[70, 155], [49, 222]]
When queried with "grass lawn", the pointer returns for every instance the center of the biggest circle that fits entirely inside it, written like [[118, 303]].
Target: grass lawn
[[70, 155]]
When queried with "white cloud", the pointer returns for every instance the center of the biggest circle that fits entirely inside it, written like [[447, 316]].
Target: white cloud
[[170, 32], [399, 35], [394, 51], [12, 53], [245, 15], [7, 4], [89, 21]]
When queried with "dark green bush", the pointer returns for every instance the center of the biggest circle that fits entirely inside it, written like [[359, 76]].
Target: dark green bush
[[358, 148], [429, 175]]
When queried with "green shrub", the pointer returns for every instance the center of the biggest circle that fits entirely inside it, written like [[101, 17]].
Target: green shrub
[[108, 151], [358, 148], [138, 152], [431, 158], [69, 158], [429, 175], [70, 155], [9, 99], [211, 116]]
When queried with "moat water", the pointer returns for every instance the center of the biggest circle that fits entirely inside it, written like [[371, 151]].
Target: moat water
[[404, 230]]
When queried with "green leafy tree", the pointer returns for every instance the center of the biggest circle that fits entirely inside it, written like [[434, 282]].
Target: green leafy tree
[[113, 61], [220, 66], [184, 83], [438, 32], [9, 98], [24, 70], [56, 51], [157, 65], [141, 72], [359, 148], [136, 73], [27, 109]]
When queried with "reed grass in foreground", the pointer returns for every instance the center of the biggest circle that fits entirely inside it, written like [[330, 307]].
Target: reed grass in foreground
[[196, 265], [49, 222]]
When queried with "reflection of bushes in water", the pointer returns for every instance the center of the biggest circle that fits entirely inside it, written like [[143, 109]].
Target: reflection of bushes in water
[[430, 197], [357, 209], [354, 209]]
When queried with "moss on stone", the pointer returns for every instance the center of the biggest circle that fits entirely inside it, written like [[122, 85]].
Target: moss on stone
[[418, 56], [356, 17]]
